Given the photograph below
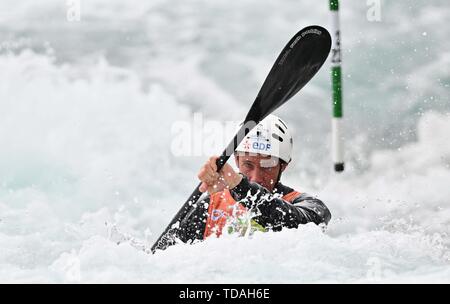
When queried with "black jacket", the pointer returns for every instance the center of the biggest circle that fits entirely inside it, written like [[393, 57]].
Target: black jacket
[[272, 211]]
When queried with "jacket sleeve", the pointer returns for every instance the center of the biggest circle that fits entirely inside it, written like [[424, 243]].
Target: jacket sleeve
[[274, 213], [192, 227]]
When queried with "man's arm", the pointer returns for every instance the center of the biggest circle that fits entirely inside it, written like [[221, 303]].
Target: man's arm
[[273, 212], [192, 227]]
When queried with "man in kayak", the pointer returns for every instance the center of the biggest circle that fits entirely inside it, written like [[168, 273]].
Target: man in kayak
[[253, 198]]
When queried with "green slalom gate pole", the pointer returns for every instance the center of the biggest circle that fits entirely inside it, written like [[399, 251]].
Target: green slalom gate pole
[[337, 143]]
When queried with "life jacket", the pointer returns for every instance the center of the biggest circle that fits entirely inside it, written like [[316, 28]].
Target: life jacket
[[222, 206]]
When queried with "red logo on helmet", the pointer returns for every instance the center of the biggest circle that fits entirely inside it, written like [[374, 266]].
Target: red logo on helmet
[[246, 145]]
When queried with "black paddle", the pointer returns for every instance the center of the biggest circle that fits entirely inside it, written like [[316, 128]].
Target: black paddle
[[298, 62]]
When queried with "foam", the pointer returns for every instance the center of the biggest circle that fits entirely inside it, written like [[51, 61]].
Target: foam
[[87, 180]]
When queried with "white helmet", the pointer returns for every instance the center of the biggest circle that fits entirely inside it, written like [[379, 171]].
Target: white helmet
[[270, 137]]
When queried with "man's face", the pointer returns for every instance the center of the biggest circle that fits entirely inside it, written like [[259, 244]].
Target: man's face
[[261, 169]]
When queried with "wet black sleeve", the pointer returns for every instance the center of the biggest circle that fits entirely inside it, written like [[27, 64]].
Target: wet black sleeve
[[192, 227], [274, 213]]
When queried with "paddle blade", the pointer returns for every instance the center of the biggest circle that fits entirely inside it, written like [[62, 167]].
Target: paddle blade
[[297, 64]]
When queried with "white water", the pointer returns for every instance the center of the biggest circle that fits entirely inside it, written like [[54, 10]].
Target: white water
[[86, 111]]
